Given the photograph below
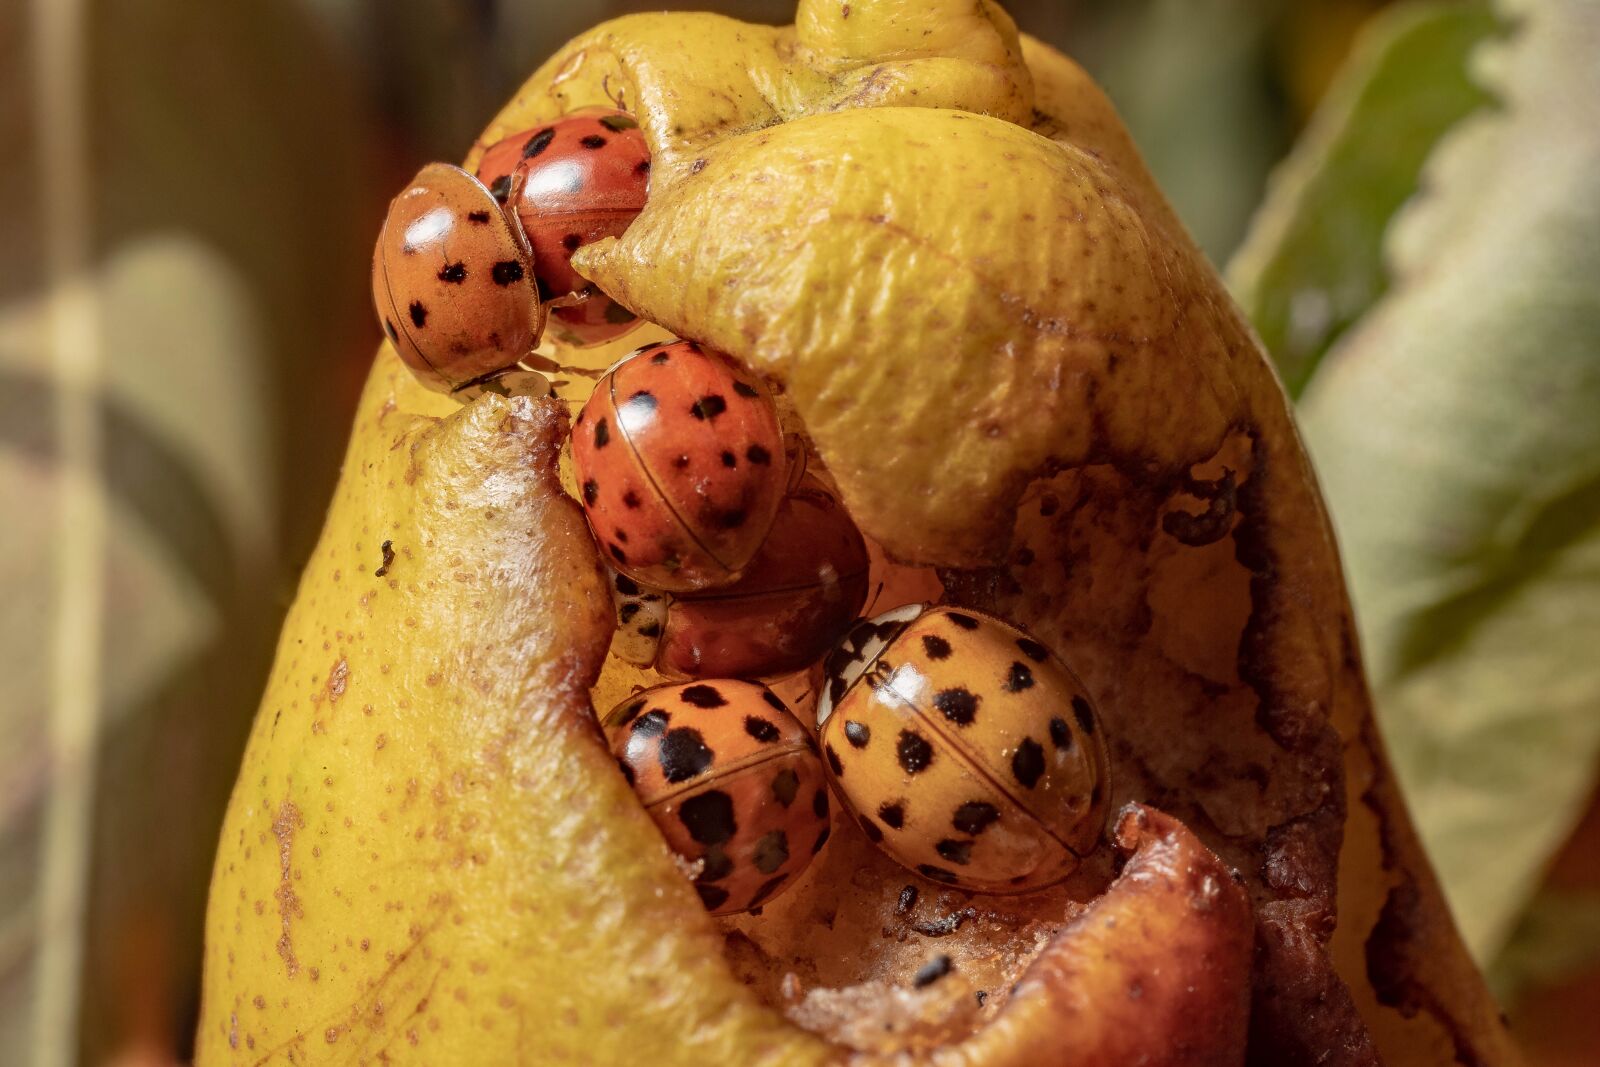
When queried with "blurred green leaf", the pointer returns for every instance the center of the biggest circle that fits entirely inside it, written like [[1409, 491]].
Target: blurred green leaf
[[1312, 263], [1558, 936], [1456, 428]]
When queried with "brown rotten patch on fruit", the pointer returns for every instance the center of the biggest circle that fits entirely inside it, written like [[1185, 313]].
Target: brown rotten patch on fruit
[[1019, 370]]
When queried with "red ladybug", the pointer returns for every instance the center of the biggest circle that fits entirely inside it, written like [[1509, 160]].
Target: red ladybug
[[680, 463], [800, 593], [452, 280], [581, 178], [731, 779]]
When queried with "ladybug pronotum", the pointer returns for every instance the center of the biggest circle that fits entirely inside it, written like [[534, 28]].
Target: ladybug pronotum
[[966, 749], [680, 460], [732, 781], [570, 183], [804, 587], [452, 280]]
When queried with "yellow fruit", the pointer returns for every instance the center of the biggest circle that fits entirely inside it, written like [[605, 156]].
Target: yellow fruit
[[938, 240]]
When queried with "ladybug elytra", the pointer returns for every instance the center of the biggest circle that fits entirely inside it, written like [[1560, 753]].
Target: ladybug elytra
[[732, 781], [967, 750], [680, 460]]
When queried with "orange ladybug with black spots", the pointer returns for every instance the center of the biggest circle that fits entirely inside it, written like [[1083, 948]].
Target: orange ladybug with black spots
[[967, 750], [731, 779], [452, 281], [583, 177], [680, 465]]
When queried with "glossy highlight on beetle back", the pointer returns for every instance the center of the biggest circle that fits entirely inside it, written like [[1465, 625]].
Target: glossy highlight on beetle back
[[452, 281], [681, 467]]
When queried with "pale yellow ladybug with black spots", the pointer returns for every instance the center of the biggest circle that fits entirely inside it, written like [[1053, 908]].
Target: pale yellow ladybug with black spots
[[731, 779], [967, 750]]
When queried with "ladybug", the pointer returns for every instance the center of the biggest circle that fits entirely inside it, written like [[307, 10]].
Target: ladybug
[[967, 750], [732, 781], [452, 280], [804, 587], [680, 463], [583, 177]]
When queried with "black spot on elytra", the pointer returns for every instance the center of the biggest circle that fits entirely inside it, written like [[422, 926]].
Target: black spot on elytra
[[626, 613], [1032, 649], [713, 897], [572, 242], [772, 699], [650, 629], [744, 390], [938, 874], [507, 272], [731, 520], [769, 887], [957, 852], [651, 724], [643, 401], [913, 752], [822, 839], [974, 817], [592, 142], [784, 786], [760, 729], [1019, 679], [1084, 714], [703, 696], [966, 622], [708, 816], [680, 462], [620, 534], [771, 851], [833, 761], [419, 314], [957, 704], [931, 971], [453, 273], [660, 357], [870, 828], [642, 167], [617, 554], [757, 454], [715, 866], [629, 714], [684, 754], [627, 586], [538, 142], [935, 646], [708, 407], [1060, 733], [1027, 763], [630, 499], [893, 814], [819, 803], [602, 433], [481, 218], [591, 491], [857, 733], [729, 459]]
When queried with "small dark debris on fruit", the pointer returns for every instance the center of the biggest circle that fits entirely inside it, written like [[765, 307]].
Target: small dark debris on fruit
[[907, 901], [388, 559], [949, 924], [931, 972]]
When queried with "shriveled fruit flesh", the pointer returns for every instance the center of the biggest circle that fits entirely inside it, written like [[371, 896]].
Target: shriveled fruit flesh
[[1036, 400]]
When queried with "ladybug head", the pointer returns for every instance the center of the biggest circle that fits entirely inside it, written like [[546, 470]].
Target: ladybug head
[[855, 654]]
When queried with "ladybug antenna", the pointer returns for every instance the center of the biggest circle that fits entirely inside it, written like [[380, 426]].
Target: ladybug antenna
[[873, 603]]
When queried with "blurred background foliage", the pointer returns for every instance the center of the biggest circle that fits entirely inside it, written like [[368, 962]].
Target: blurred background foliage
[[1422, 266]]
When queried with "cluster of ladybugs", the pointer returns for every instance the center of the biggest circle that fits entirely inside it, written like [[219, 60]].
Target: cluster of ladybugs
[[965, 749]]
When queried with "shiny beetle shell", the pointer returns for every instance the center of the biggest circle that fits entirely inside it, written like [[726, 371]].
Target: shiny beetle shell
[[570, 183], [452, 280], [732, 781], [680, 464], [967, 750], [802, 590]]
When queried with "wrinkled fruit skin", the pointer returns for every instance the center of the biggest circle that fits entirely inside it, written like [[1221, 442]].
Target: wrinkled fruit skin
[[452, 281], [732, 780], [431, 856]]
